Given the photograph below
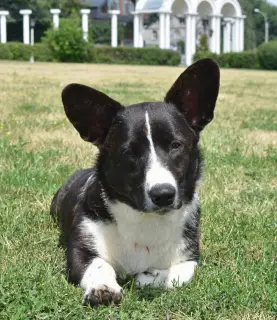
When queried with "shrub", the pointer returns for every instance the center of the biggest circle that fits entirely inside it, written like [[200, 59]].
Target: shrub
[[23, 52], [42, 53], [205, 54], [20, 51], [146, 56], [267, 55], [239, 60], [91, 53], [66, 43], [203, 43], [181, 46], [5, 52]]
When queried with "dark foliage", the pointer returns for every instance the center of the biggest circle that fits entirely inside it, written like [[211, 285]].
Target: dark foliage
[[239, 60], [267, 55]]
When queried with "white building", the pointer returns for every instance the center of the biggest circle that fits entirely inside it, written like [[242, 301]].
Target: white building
[[220, 16]]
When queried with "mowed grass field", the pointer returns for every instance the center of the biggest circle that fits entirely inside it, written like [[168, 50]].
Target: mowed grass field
[[39, 149]]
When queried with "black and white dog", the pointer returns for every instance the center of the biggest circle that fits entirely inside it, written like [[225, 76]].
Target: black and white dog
[[137, 212]]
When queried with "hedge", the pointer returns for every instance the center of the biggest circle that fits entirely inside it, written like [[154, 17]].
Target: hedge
[[19, 51], [267, 55], [119, 55], [42, 53], [205, 54], [239, 60], [147, 56]]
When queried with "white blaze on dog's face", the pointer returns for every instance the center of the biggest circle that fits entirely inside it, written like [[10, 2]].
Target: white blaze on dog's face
[[158, 179], [149, 157], [160, 185]]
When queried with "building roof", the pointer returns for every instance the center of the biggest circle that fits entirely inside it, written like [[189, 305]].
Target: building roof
[[152, 5], [94, 3]]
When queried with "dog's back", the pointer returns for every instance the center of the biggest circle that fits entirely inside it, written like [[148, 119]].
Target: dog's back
[[66, 199]]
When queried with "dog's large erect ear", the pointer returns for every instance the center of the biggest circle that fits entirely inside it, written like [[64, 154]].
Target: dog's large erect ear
[[195, 93], [91, 112]]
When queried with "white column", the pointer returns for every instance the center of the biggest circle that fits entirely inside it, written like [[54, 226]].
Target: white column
[[136, 30], [190, 37], [162, 30], [235, 35], [218, 35], [193, 34], [3, 25], [237, 23], [55, 17], [140, 33], [85, 13], [188, 40], [241, 47], [114, 35], [167, 30], [214, 35], [227, 35], [26, 25]]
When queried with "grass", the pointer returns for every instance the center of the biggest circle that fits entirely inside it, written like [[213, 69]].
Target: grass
[[39, 149]]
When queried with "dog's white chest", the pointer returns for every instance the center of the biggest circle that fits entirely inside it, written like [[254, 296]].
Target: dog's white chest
[[142, 247], [138, 242]]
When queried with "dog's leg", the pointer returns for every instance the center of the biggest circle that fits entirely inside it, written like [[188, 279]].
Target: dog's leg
[[177, 275], [99, 284], [94, 275]]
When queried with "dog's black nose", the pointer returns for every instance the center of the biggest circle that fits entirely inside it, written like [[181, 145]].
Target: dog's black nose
[[162, 195]]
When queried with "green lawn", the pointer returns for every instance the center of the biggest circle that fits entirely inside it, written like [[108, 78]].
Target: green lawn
[[39, 149]]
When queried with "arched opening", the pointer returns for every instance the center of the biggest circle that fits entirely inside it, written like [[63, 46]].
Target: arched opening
[[179, 8], [228, 27], [204, 9], [228, 10], [204, 29], [178, 22]]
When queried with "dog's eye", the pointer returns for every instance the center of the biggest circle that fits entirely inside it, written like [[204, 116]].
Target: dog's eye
[[175, 145], [130, 155]]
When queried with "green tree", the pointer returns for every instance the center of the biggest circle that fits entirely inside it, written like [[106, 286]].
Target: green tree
[[203, 43], [101, 31], [67, 43], [254, 23], [40, 8]]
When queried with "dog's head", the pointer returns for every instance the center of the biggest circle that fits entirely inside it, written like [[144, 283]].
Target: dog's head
[[149, 157]]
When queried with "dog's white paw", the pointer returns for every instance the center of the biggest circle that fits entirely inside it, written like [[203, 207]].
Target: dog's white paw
[[175, 276], [153, 277], [105, 294], [99, 283]]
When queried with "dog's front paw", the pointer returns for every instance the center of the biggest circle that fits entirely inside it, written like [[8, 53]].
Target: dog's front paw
[[103, 294], [175, 276], [154, 278]]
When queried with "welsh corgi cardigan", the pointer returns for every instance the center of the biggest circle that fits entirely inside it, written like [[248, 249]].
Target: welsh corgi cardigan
[[137, 211]]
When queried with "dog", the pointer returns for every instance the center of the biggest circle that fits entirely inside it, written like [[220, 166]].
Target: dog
[[137, 211]]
